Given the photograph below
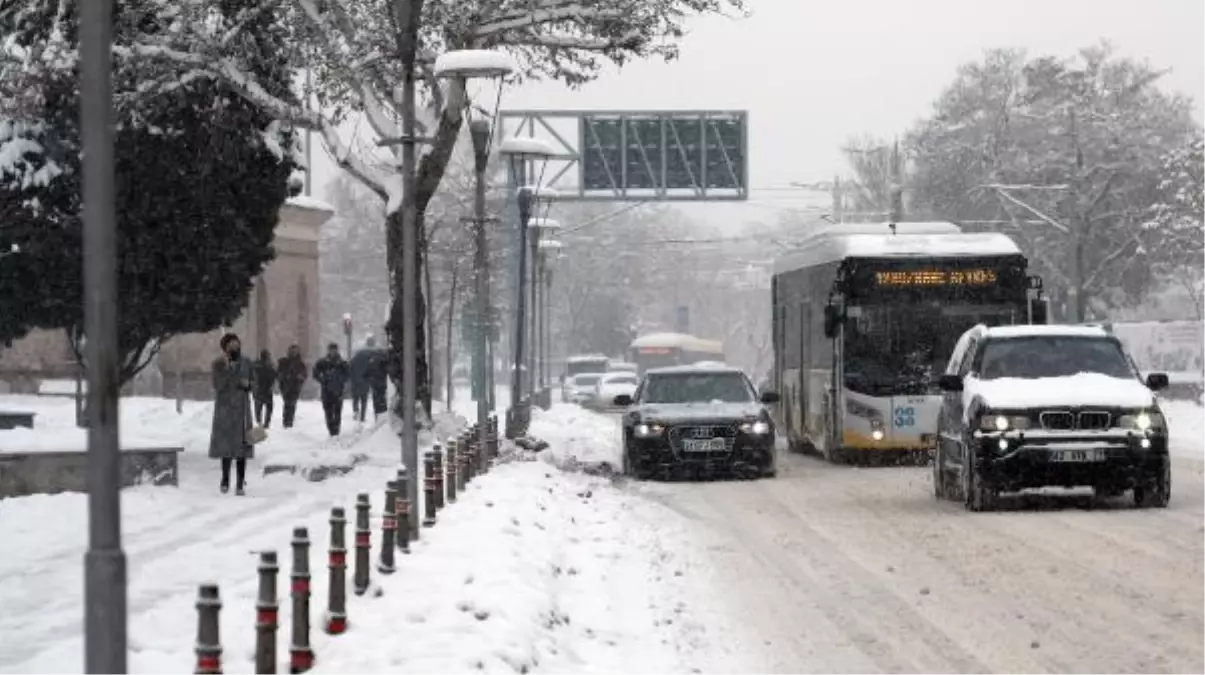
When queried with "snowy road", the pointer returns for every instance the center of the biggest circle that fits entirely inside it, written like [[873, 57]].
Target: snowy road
[[843, 569]]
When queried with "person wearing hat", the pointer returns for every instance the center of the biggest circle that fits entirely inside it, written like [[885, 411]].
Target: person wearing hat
[[229, 438], [331, 372]]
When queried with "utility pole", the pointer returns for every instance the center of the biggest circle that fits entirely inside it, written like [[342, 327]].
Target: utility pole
[[479, 131], [105, 648], [309, 138]]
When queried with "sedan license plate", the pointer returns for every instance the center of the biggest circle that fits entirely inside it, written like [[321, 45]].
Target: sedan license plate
[[1095, 455], [704, 445]]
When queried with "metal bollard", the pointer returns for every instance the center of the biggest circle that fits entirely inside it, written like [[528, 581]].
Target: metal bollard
[[479, 452], [452, 473], [437, 456], [336, 601], [403, 513], [363, 543], [301, 655], [466, 451], [267, 614], [428, 489], [388, 529], [491, 439], [462, 473], [209, 645]]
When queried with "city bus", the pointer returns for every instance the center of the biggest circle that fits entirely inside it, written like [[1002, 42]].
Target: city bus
[[658, 350], [865, 317]]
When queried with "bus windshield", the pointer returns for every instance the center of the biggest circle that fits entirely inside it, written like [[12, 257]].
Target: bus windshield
[[898, 349], [579, 365]]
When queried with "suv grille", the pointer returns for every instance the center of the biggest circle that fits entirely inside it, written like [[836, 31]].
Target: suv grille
[[1065, 420]]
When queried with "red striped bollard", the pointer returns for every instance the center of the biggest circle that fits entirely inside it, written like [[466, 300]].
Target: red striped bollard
[[451, 477], [209, 645], [462, 472], [336, 601], [403, 512], [466, 450], [301, 654], [363, 544], [428, 489], [388, 529], [491, 441], [266, 614], [437, 457]]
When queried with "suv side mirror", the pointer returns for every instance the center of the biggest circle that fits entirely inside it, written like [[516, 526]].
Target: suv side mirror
[[622, 400], [1157, 381], [769, 397], [950, 383], [832, 319]]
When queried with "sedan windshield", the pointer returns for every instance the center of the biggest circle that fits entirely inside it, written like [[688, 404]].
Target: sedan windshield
[[585, 380], [1037, 356], [697, 388]]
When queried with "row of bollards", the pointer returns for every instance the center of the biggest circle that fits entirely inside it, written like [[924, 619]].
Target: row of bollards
[[447, 472]]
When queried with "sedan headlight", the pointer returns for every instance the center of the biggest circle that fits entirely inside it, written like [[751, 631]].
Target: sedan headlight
[[649, 430], [758, 428], [1145, 420], [994, 422]]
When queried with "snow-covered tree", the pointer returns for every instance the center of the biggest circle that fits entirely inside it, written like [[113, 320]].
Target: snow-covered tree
[[198, 186], [1179, 218], [355, 50], [1067, 152]]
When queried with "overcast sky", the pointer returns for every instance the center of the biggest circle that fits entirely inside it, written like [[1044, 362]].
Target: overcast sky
[[813, 73]]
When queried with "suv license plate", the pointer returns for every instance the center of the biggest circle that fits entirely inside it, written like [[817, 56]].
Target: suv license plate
[[704, 445], [1077, 455]]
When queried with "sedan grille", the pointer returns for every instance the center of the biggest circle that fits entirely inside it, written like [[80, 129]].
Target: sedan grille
[[687, 440], [1066, 420]]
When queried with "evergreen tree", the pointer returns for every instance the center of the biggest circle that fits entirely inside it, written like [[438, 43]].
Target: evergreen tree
[[199, 189]]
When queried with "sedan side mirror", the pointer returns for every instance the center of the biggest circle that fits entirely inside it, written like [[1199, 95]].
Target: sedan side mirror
[[769, 397], [622, 400], [1157, 381], [950, 383]]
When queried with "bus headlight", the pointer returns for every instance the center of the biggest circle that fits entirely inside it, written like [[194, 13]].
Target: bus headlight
[[876, 430], [994, 422], [644, 430], [1142, 421], [758, 428]]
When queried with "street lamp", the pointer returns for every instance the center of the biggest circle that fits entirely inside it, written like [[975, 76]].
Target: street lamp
[[522, 152], [539, 230], [549, 250], [479, 63]]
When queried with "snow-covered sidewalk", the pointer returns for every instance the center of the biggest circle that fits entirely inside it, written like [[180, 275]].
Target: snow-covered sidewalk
[[532, 569]]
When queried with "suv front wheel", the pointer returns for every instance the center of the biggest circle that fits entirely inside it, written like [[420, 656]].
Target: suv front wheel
[[1156, 491], [977, 493]]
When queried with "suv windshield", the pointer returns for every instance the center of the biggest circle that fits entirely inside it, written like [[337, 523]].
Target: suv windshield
[[1052, 356], [697, 388]]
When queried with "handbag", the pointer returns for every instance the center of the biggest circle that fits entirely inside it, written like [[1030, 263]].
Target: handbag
[[257, 434]]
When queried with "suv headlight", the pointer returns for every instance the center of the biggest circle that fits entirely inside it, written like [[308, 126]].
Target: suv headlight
[[649, 430], [1144, 420], [994, 422], [757, 428]]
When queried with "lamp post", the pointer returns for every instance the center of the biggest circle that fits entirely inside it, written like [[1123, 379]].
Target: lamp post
[[538, 229], [549, 250], [478, 64], [522, 151], [105, 646]]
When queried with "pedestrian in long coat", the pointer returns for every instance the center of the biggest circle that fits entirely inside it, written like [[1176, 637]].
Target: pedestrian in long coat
[[229, 439]]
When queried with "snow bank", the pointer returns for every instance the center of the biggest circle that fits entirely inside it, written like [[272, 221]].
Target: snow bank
[[1083, 389], [307, 202], [473, 63], [577, 436]]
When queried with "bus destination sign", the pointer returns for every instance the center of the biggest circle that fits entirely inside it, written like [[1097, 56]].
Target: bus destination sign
[[932, 277]]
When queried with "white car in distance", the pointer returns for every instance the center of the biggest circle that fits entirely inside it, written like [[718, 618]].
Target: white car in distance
[[612, 385], [580, 388]]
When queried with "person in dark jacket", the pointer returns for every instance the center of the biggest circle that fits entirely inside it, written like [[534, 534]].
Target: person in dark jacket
[[229, 439], [331, 372], [378, 378], [265, 382], [360, 368], [291, 373]]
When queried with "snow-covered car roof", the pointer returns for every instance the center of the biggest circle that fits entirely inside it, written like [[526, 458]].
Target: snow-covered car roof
[[910, 240], [693, 369], [585, 358], [1045, 330]]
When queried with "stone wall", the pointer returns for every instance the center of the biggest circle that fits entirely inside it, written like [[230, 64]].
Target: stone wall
[[283, 310]]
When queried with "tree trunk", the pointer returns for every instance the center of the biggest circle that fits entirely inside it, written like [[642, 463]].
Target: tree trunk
[[429, 319], [393, 328]]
